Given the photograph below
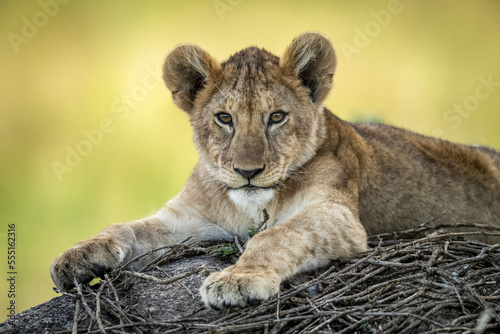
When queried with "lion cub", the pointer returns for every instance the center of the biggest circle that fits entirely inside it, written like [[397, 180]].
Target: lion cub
[[266, 141]]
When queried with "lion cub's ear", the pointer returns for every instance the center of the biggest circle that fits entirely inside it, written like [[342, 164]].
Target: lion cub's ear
[[311, 58], [185, 72]]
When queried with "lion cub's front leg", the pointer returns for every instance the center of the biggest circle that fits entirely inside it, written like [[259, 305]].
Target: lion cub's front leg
[[307, 240], [118, 244]]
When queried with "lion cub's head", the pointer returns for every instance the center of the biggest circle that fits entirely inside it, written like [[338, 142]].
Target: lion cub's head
[[256, 117]]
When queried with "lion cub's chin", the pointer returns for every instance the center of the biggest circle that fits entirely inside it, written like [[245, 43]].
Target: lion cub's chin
[[251, 197]]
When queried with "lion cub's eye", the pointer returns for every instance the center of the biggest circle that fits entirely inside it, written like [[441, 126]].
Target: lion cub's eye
[[277, 117], [224, 118]]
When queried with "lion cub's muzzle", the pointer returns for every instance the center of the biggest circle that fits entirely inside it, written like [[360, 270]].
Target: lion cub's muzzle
[[256, 186], [249, 176], [252, 176]]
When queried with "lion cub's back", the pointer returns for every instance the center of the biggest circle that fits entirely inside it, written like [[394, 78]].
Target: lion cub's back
[[416, 178]]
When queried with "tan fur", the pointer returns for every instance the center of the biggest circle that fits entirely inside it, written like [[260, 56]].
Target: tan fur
[[323, 181]]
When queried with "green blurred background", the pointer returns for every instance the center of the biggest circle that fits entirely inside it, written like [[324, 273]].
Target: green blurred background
[[83, 62]]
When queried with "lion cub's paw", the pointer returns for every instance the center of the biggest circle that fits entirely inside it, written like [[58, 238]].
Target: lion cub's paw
[[85, 261], [228, 289]]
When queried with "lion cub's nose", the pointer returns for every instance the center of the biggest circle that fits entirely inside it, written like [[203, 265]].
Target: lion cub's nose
[[248, 173]]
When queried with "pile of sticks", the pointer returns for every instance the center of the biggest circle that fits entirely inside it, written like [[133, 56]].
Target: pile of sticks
[[441, 283]]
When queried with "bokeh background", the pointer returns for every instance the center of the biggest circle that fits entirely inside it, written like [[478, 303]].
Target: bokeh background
[[69, 68]]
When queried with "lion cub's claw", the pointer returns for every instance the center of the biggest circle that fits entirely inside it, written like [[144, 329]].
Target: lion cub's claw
[[230, 289], [84, 262]]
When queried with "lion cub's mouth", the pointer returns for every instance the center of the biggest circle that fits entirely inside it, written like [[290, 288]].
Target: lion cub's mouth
[[251, 187], [251, 195]]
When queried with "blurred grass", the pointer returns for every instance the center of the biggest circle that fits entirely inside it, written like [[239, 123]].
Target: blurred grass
[[66, 78]]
